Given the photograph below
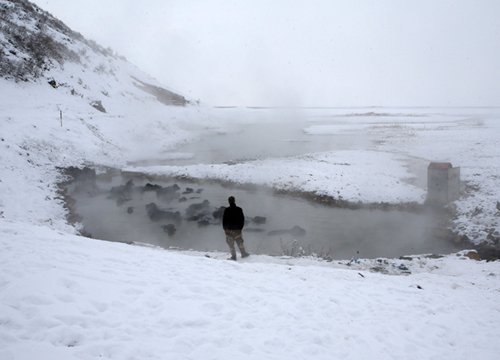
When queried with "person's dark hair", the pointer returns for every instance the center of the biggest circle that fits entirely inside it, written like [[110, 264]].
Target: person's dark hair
[[231, 200]]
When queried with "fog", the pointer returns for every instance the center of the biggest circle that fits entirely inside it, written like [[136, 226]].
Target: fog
[[293, 225], [305, 53], [282, 135]]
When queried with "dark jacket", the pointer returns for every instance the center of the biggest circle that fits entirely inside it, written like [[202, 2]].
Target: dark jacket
[[233, 218]]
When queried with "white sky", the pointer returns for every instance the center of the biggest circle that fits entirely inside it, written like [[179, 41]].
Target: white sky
[[304, 53]]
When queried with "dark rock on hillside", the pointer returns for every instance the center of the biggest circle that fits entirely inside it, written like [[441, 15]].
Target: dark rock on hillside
[[98, 106], [29, 51], [493, 237], [162, 95], [488, 253], [33, 42]]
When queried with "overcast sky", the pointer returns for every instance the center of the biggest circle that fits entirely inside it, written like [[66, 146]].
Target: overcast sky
[[304, 53]]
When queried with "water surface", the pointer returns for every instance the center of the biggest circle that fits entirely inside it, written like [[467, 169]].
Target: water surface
[[329, 232]]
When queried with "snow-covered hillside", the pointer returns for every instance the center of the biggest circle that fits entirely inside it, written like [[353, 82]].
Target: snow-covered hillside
[[64, 296], [67, 101], [36, 47]]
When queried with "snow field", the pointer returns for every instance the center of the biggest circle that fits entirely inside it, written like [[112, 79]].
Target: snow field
[[350, 175], [67, 297], [63, 296]]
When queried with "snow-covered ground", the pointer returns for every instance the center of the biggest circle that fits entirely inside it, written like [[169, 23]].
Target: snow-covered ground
[[66, 297], [63, 296]]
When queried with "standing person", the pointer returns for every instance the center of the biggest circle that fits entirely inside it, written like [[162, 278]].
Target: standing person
[[233, 221]]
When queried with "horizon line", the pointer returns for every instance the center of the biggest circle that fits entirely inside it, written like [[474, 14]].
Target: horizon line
[[358, 107]]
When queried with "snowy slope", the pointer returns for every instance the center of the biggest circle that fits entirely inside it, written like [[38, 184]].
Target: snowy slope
[[34, 143], [36, 47], [64, 104], [63, 296]]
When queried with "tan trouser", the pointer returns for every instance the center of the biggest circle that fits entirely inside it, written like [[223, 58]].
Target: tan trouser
[[233, 236]]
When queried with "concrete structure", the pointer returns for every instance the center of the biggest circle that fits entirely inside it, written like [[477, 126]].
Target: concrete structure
[[443, 183]]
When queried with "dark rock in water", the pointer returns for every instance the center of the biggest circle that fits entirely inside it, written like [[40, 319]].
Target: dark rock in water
[[217, 214], [151, 187], [183, 199], [170, 229], [122, 193], [156, 214], [277, 232], [199, 191], [188, 191], [122, 200], [195, 212], [129, 186], [295, 231], [168, 193], [130, 210], [259, 220], [203, 222]]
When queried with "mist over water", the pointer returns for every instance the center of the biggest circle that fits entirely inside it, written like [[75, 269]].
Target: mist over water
[[274, 139], [293, 226], [243, 135]]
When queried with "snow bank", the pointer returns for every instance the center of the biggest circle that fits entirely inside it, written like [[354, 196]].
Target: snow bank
[[67, 297], [365, 176]]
